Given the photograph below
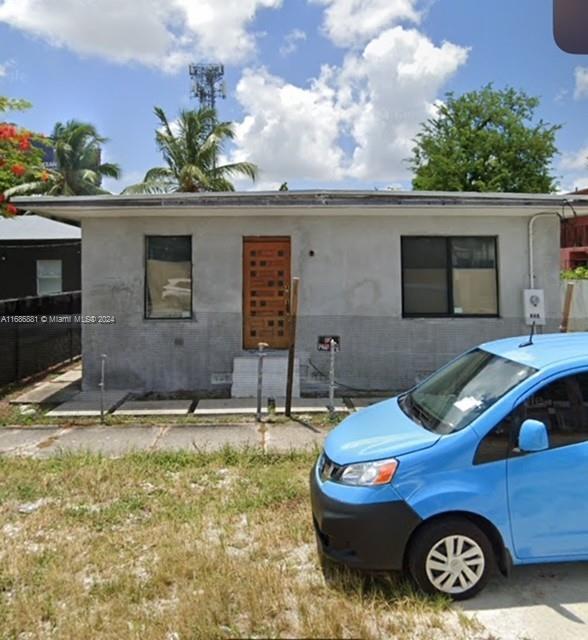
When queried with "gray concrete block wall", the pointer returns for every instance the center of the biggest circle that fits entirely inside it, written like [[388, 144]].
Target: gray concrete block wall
[[351, 287]]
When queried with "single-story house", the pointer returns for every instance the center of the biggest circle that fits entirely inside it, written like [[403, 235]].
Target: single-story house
[[192, 283], [38, 257]]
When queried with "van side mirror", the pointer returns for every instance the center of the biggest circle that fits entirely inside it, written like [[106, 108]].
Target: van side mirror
[[533, 436]]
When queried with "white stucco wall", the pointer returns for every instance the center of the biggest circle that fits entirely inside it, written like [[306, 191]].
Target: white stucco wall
[[351, 286]]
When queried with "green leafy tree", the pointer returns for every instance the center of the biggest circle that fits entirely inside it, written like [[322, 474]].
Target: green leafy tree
[[485, 140], [192, 147], [21, 154], [79, 171]]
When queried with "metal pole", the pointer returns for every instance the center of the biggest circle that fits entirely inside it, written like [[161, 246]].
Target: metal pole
[[292, 348], [102, 385], [260, 355], [332, 346]]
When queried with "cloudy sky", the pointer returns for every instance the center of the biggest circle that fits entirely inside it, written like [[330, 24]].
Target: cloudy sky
[[324, 93]]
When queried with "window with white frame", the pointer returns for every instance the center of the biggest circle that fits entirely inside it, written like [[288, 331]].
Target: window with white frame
[[49, 277]]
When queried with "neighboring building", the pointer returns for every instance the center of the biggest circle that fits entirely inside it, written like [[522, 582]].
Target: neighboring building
[[38, 257], [406, 281], [574, 238]]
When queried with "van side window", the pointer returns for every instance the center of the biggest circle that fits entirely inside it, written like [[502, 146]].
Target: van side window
[[562, 406]]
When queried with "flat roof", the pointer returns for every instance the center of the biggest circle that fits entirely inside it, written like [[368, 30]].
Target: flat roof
[[305, 202], [32, 227]]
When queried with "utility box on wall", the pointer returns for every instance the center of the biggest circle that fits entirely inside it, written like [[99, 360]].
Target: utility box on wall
[[534, 304]]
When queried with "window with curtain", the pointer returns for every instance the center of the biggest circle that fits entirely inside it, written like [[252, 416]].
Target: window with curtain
[[168, 277], [449, 276]]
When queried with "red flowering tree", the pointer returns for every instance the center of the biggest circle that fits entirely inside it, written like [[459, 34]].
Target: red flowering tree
[[21, 155]]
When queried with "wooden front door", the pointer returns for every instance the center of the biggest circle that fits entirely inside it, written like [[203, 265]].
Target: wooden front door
[[266, 292]]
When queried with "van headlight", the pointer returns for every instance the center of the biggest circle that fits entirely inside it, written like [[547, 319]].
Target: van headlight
[[368, 474]]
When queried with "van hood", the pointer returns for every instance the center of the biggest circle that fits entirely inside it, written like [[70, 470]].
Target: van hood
[[380, 431]]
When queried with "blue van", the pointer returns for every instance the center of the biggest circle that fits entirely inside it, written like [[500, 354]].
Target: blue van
[[484, 464]]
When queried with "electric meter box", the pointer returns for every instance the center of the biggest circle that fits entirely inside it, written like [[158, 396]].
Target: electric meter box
[[534, 304]]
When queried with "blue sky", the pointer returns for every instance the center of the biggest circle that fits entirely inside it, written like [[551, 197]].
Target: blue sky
[[324, 93]]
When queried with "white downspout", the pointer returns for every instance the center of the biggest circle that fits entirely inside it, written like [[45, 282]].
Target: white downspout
[[532, 243]]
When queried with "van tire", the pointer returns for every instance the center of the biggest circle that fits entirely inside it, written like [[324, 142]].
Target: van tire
[[456, 542]]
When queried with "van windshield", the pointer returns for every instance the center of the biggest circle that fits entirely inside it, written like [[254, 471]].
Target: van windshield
[[457, 394]]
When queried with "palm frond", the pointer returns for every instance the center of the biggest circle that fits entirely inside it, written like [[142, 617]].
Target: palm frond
[[110, 170], [247, 169]]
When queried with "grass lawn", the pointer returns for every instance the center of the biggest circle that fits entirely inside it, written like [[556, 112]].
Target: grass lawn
[[177, 546]]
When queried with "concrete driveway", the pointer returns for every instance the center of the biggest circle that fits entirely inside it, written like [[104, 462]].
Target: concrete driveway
[[542, 602]]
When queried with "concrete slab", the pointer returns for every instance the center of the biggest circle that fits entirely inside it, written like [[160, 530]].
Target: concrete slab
[[75, 375], [310, 405], [110, 441], [154, 408], [289, 437], [87, 403], [229, 407], [363, 402], [275, 371], [48, 393], [208, 438], [540, 602], [11, 439]]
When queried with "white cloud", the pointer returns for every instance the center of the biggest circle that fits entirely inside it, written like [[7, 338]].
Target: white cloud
[[289, 131], [353, 121], [349, 22], [291, 41], [400, 73], [573, 170], [6, 67], [159, 33], [581, 88], [575, 160]]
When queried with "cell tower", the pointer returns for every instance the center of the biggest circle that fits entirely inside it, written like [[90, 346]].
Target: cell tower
[[208, 83]]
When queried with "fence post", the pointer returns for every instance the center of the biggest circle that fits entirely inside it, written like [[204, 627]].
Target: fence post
[[260, 355], [567, 310], [16, 352], [332, 347], [292, 347], [102, 385]]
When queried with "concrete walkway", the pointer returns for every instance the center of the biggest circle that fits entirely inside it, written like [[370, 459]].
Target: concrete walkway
[[45, 441]]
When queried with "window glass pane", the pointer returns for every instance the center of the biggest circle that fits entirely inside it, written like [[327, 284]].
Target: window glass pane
[[424, 275], [49, 268], [49, 280], [474, 276], [169, 277], [561, 405], [473, 253], [475, 292]]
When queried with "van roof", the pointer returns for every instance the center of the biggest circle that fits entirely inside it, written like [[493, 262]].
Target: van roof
[[546, 349]]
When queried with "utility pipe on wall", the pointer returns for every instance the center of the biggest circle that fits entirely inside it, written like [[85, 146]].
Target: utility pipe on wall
[[532, 243]]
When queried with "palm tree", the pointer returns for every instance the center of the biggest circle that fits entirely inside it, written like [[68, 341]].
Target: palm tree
[[79, 169], [191, 148]]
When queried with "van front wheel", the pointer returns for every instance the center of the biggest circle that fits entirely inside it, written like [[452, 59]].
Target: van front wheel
[[453, 557]]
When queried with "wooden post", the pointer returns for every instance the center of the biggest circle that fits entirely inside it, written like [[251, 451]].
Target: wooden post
[[565, 321], [292, 347]]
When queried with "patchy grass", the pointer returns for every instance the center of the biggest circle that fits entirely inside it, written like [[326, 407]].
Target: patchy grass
[[183, 545]]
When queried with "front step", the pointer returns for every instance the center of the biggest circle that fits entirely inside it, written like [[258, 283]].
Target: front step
[[275, 371]]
